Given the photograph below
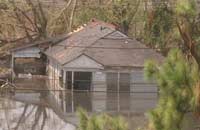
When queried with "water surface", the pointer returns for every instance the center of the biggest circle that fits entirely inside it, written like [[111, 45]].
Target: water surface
[[56, 110]]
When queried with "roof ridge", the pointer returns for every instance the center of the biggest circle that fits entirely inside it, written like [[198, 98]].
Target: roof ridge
[[97, 40]]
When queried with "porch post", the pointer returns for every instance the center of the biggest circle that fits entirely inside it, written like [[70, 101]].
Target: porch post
[[118, 88], [92, 82], [54, 76], [72, 87], [118, 81], [64, 79]]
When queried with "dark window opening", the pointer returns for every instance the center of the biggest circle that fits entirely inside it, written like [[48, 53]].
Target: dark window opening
[[68, 83], [124, 82], [111, 79], [82, 80]]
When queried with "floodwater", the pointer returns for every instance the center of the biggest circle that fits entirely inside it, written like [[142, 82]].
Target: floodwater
[[56, 110]]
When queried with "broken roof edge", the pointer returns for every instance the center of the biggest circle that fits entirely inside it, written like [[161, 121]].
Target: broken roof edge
[[95, 20], [92, 22], [52, 40]]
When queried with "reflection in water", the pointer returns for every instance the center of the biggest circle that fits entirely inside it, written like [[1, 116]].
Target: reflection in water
[[55, 110], [33, 115], [106, 102]]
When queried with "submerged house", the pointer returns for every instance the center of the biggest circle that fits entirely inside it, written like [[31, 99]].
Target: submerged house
[[98, 57]]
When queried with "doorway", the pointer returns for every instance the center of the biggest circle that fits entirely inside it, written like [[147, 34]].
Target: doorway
[[79, 80]]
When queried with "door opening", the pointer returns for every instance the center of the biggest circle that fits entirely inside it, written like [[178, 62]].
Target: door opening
[[79, 80]]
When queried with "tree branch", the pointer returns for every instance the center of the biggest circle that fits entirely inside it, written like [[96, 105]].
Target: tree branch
[[189, 43]]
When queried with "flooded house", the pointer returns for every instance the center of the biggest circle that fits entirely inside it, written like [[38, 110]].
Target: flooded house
[[95, 57], [98, 57]]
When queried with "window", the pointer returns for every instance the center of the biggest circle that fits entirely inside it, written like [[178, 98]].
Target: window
[[124, 82], [111, 79], [118, 82], [114, 81]]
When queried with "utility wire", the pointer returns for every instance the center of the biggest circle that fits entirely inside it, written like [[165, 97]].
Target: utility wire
[[98, 47]]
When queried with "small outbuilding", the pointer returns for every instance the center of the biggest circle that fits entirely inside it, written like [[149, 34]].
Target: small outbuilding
[[28, 58], [98, 57]]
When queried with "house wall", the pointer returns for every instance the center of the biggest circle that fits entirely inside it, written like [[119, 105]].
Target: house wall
[[99, 81], [134, 77], [101, 98], [54, 73], [139, 84], [83, 62]]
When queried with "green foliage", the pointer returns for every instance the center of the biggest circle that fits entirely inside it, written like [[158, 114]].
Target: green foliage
[[176, 79], [100, 122], [197, 99], [186, 8], [150, 70]]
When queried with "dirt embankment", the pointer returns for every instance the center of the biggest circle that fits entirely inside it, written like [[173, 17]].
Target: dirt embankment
[[5, 56], [5, 70]]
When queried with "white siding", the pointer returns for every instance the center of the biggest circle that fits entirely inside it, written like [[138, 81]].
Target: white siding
[[83, 62], [117, 35], [100, 88], [99, 101], [139, 84], [99, 81], [53, 74]]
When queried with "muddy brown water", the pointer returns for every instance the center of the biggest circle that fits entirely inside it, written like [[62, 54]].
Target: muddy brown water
[[56, 110]]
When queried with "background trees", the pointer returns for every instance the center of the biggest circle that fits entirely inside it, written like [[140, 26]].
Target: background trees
[[119, 12], [37, 19]]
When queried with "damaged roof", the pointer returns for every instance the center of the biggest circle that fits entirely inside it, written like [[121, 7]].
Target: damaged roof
[[42, 44], [104, 44]]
